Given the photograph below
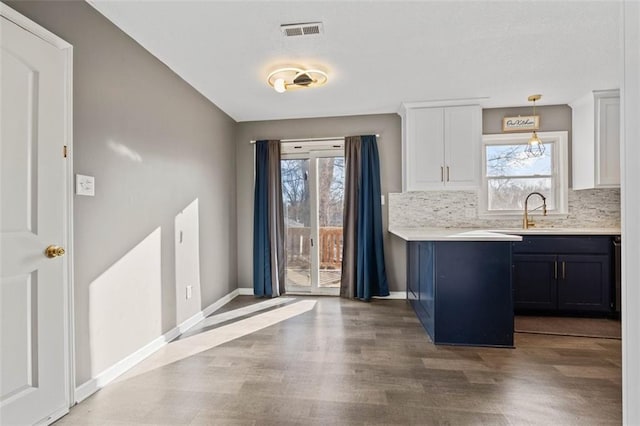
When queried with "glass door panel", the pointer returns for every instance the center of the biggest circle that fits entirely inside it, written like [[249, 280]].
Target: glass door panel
[[296, 200], [330, 204]]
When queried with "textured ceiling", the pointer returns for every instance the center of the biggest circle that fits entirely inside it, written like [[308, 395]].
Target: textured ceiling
[[379, 54]]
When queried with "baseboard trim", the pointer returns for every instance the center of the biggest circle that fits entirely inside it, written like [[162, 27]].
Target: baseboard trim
[[220, 303], [94, 384], [393, 295]]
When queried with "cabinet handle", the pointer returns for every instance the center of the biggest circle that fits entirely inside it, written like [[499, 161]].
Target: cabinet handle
[[447, 173], [555, 269], [564, 274], [441, 173]]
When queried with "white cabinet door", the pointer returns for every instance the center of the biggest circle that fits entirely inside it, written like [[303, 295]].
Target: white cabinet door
[[424, 149], [33, 384], [462, 146], [608, 142], [596, 140]]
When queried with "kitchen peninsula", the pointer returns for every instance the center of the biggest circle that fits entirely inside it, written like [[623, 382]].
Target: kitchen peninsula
[[459, 284]]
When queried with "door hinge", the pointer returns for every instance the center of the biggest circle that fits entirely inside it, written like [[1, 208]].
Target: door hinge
[[65, 151]]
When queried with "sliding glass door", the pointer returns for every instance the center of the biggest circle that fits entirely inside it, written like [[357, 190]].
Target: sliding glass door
[[313, 198]]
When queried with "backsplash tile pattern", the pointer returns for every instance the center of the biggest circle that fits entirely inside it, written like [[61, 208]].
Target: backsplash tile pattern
[[591, 208]]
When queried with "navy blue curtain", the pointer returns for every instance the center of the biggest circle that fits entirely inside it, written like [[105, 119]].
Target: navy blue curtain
[[364, 274], [268, 222]]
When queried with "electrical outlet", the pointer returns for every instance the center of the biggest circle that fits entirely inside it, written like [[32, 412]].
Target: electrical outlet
[[469, 212], [189, 292]]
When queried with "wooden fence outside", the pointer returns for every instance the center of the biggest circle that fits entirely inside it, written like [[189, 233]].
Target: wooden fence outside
[[298, 246]]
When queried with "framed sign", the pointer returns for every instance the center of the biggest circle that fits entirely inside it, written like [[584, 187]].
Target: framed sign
[[521, 123]]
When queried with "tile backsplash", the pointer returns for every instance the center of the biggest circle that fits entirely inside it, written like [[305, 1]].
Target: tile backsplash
[[591, 208]]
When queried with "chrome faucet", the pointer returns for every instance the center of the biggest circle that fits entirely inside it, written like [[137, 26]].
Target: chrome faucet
[[526, 222]]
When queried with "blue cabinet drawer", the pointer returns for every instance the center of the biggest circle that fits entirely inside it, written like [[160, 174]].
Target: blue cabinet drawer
[[563, 244]]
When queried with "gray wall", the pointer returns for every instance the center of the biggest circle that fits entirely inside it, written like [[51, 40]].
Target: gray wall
[[389, 145], [552, 117], [155, 146]]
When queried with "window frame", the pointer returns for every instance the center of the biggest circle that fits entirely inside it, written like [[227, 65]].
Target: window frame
[[559, 142]]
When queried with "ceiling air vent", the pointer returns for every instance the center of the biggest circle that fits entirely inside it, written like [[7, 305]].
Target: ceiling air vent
[[308, 28]]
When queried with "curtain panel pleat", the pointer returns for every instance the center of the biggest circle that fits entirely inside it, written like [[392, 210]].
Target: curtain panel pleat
[[363, 265], [268, 222], [349, 223]]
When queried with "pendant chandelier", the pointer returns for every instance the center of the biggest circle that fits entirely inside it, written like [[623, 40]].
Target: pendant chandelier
[[535, 147]]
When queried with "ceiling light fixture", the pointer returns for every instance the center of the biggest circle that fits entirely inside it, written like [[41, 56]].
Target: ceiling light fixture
[[535, 147], [284, 79]]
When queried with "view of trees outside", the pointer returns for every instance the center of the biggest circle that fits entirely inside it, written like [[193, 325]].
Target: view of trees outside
[[512, 174], [330, 191], [296, 198], [295, 192]]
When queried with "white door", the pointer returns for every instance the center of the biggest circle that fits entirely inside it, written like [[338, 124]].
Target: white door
[[33, 340]]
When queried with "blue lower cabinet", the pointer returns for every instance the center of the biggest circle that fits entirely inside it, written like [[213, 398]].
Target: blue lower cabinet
[[464, 294], [562, 275]]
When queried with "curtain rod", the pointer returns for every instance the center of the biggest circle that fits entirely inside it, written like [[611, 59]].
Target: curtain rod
[[313, 139]]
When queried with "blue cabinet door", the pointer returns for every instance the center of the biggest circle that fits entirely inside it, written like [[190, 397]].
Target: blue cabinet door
[[420, 281], [534, 282], [584, 283]]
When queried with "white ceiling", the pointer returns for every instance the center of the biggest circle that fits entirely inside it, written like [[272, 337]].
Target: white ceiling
[[379, 54]]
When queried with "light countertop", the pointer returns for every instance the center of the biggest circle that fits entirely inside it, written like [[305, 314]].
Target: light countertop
[[453, 234], [466, 234]]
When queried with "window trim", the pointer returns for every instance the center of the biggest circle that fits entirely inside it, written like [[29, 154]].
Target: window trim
[[560, 172], [291, 149]]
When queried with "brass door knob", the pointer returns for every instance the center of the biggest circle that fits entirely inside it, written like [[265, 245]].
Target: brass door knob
[[54, 251]]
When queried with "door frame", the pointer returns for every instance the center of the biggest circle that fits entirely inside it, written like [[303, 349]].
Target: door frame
[[312, 151], [69, 326]]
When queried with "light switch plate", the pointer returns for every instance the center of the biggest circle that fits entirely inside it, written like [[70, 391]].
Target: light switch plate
[[85, 185]]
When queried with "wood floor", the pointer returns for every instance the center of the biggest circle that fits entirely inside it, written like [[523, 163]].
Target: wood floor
[[353, 363]]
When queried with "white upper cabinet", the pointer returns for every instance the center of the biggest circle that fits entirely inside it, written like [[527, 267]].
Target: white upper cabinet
[[596, 140], [441, 147]]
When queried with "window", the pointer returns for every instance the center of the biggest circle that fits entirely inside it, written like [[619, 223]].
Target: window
[[509, 174]]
